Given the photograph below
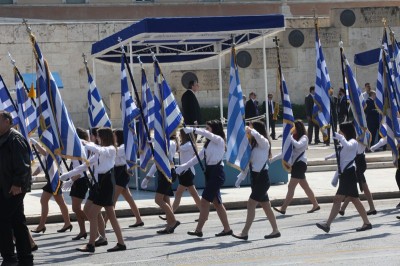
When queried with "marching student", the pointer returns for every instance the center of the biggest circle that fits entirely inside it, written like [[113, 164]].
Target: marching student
[[122, 178], [164, 190], [186, 152], [299, 168], [103, 160], [347, 178], [78, 191], [46, 196], [260, 145], [213, 153], [361, 166]]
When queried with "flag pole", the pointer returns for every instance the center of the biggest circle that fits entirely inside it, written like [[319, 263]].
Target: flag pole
[[343, 77], [276, 40]]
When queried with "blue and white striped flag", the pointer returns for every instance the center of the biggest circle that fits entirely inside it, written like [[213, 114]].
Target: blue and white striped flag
[[321, 110], [396, 65], [387, 100], [161, 142], [129, 113], [238, 151], [97, 113], [148, 113], [172, 115], [26, 109], [288, 123], [357, 104], [6, 102]]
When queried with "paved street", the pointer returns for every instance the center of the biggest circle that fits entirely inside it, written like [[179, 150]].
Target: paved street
[[302, 243]]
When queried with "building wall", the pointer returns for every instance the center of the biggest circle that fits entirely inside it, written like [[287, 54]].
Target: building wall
[[63, 44]]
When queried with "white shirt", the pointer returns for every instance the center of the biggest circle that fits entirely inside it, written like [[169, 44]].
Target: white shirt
[[259, 154], [120, 158], [348, 152], [360, 148], [381, 142], [214, 152], [186, 153], [298, 148], [171, 154], [102, 158]]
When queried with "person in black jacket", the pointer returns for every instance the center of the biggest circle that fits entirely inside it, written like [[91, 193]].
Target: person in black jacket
[[309, 102], [342, 111], [15, 181], [334, 100], [190, 105], [372, 117], [251, 107]]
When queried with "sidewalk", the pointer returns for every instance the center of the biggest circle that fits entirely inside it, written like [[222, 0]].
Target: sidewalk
[[380, 181]]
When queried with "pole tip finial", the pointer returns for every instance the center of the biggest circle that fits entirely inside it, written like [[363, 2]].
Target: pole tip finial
[[84, 59], [120, 42], [384, 21], [341, 44], [25, 22], [11, 59]]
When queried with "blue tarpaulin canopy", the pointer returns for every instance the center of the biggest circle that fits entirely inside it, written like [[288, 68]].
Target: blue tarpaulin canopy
[[183, 39], [30, 78]]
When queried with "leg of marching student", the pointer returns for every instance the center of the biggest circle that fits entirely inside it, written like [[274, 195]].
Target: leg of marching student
[[80, 215], [178, 195], [117, 192], [44, 202], [368, 195], [270, 215], [289, 196], [337, 200], [309, 193], [360, 208], [114, 223], [93, 220], [63, 208], [126, 193], [160, 201], [195, 195], [221, 211], [345, 204], [204, 212], [251, 213]]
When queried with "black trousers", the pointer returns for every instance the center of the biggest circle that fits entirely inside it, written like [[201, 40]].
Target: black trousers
[[310, 128], [272, 126], [13, 223]]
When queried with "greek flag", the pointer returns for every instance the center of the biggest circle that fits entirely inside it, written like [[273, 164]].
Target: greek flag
[[238, 150], [288, 122], [26, 109], [172, 115], [390, 105], [148, 113], [129, 113], [97, 113], [357, 105], [161, 143], [321, 110], [6, 102], [379, 100], [396, 66]]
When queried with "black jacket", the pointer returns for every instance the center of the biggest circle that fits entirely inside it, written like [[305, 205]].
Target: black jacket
[[250, 109], [190, 108], [371, 114], [309, 102], [15, 162], [342, 109]]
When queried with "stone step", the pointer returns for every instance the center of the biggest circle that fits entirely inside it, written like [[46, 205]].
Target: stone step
[[333, 167], [374, 159]]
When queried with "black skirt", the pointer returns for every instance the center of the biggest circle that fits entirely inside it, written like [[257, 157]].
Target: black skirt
[[259, 186], [163, 186], [104, 193], [215, 178], [186, 179], [121, 176], [48, 188], [361, 166], [299, 169], [348, 183], [79, 188]]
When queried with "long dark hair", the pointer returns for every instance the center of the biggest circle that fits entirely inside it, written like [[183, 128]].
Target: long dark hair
[[348, 130], [217, 129], [106, 136], [300, 129], [260, 128], [119, 136], [82, 134]]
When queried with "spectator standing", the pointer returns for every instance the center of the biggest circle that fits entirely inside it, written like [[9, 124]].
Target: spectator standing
[[272, 114], [372, 117], [190, 106], [251, 108], [309, 102], [367, 90], [342, 111], [15, 181], [334, 100]]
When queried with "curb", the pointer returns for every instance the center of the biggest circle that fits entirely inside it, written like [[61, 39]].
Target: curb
[[239, 205]]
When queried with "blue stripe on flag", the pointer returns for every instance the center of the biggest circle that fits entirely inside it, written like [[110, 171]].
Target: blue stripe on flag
[[97, 113]]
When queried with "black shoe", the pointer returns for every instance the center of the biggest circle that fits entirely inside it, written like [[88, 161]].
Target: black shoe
[[223, 233], [364, 227], [273, 236], [100, 242], [341, 213], [398, 217], [278, 210], [162, 217], [165, 231], [34, 248], [88, 248], [195, 233], [136, 225], [172, 229], [118, 247], [371, 212], [196, 220], [78, 237], [314, 210], [317, 142], [39, 230], [241, 237], [324, 227], [62, 230]]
